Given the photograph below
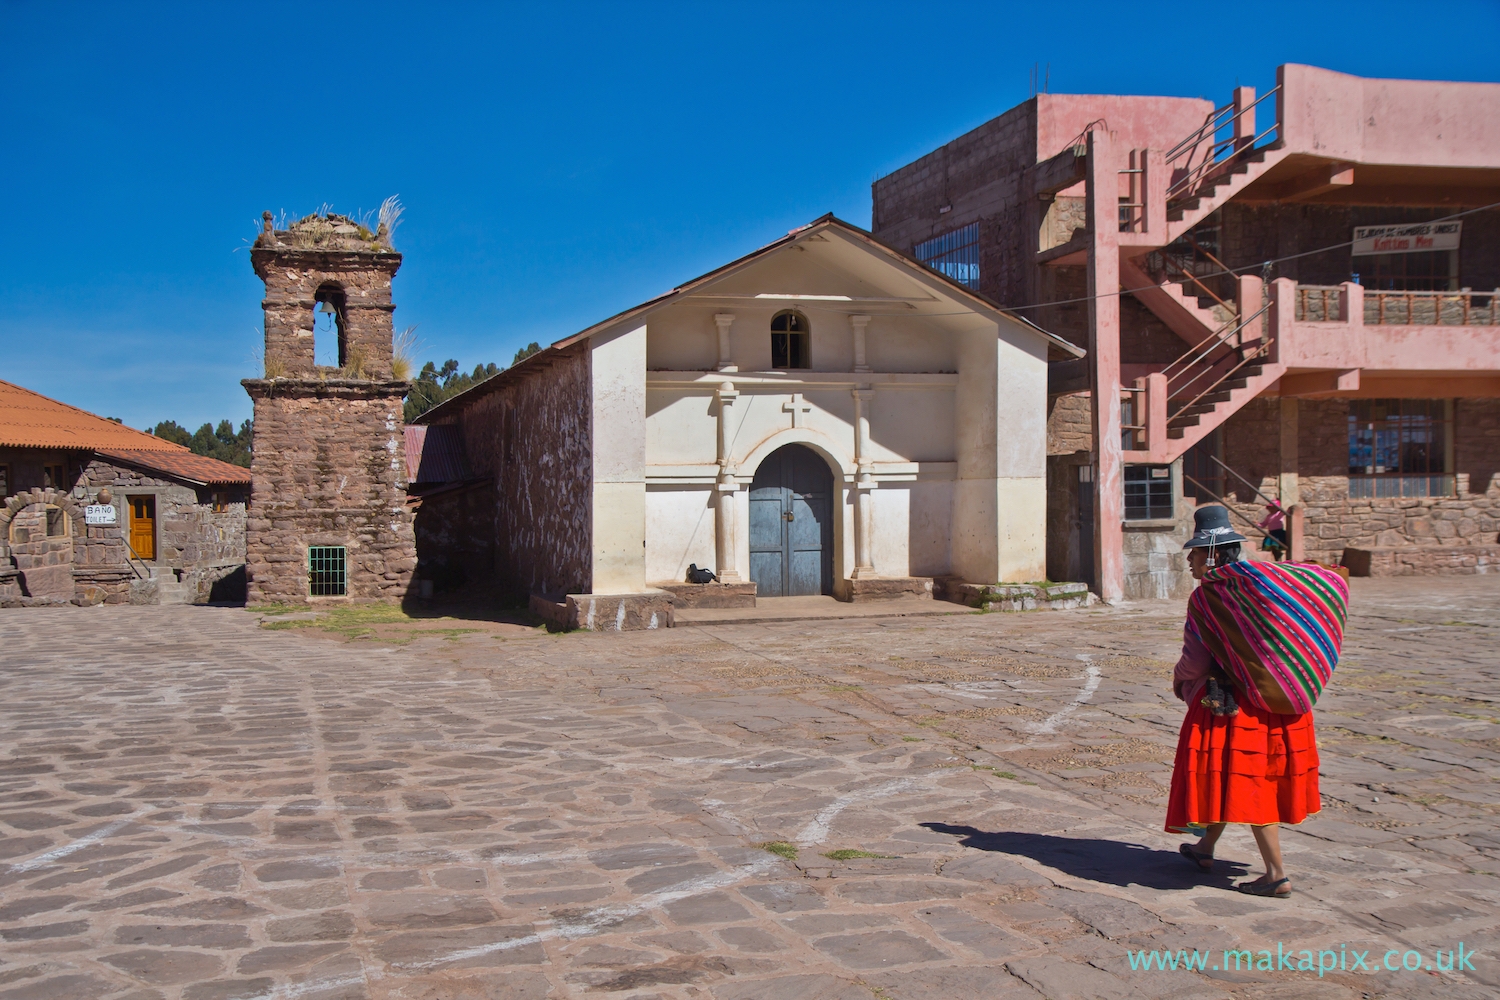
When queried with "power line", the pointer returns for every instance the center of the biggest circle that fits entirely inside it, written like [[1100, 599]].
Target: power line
[[1235, 271]]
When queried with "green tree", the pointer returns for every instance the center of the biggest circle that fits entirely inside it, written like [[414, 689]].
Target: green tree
[[525, 352], [433, 385], [223, 442]]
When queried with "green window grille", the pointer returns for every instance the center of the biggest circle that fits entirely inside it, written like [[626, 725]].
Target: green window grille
[[326, 576]]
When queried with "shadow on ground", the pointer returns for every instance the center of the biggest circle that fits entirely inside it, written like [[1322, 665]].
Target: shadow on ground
[[1111, 862]]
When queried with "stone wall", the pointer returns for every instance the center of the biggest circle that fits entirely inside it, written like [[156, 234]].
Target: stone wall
[[199, 547], [455, 533], [1334, 521], [85, 566], [529, 436], [328, 471], [352, 269]]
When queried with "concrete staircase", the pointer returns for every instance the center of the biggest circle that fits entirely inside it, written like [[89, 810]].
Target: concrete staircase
[[1184, 314], [1219, 184]]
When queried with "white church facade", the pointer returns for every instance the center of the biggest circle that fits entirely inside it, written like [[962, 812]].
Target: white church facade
[[822, 416]]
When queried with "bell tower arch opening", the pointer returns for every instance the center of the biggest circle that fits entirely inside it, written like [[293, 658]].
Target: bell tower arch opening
[[330, 327]]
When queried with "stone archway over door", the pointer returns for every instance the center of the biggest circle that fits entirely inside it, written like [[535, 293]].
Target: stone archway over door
[[791, 524]]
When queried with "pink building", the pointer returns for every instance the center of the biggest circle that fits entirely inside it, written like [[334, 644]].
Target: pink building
[[1294, 295]]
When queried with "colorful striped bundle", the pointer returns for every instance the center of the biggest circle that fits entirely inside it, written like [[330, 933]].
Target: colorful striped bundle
[[1276, 628]]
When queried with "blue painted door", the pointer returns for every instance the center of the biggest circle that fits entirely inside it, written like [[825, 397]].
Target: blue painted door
[[791, 524]]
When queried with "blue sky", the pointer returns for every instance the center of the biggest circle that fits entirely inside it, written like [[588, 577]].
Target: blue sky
[[558, 162]]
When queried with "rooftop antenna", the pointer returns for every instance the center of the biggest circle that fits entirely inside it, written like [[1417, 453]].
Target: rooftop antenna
[[1047, 85]]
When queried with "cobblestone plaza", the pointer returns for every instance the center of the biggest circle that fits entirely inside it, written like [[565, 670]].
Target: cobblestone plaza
[[197, 806]]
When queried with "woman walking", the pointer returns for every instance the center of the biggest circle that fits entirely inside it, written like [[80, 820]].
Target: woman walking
[[1260, 642]]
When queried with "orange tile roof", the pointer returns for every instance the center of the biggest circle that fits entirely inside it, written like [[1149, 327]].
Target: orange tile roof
[[30, 420], [182, 465]]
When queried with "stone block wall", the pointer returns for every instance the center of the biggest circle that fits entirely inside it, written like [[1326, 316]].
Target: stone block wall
[[86, 566], [1334, 520], [335, 255], [328, 471], [195, 544], [530, 437]]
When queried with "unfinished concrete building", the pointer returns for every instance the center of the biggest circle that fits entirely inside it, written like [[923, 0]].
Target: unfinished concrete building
[[328, 520], [1303, 285]]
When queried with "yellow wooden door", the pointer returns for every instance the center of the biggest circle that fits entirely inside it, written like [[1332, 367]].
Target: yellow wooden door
[[143, 526]]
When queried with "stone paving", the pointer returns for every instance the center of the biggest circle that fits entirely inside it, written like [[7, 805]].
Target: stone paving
[[195, 806]]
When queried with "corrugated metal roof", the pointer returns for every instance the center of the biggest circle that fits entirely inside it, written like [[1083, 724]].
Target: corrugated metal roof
[[435, 455], [30, 420], [182, 465]]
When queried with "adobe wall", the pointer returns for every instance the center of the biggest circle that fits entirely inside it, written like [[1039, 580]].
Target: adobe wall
[[327, 472], [531, 439], [979, 174]]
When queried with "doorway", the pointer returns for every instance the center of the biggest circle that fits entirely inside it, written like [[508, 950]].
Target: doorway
[[791, 524], [143, 526]]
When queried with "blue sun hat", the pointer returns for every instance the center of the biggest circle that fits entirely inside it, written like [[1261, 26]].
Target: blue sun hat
[[1211, 527]]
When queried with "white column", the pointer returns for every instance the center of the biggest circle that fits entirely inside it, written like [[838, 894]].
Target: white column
[[863, 483], [859, 323], [724, 321], [725, 489]]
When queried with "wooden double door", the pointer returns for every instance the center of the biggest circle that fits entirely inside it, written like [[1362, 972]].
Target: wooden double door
[[791, 524]]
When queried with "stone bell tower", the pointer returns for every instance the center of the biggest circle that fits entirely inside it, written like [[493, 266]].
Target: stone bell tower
[[328, 516]]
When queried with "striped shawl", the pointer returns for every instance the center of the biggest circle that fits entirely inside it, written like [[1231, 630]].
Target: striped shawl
[[1275, 628]]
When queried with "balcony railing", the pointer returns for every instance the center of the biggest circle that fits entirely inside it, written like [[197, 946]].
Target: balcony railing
[[1320, 303], [1328, 304], [1431, 308]]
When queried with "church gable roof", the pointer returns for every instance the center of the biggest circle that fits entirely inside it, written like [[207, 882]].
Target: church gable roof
[[1058, 348]]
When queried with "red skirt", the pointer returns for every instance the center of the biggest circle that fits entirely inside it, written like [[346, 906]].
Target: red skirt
[[1254, 767]]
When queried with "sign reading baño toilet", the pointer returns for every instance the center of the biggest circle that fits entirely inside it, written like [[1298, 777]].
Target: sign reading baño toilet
[[99, 513], [1408, 238]]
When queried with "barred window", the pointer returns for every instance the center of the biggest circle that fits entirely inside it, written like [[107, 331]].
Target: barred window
[[955, 254], [1148, 492], [326, 576], [1399, 448]]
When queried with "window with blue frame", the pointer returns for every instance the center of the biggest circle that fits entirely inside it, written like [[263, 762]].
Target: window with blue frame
[[955, 254]]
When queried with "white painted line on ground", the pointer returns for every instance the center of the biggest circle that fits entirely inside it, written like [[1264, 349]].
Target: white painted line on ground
[[597, 920], [291, 990], [1056, 718], [817, 828], [87, 840]]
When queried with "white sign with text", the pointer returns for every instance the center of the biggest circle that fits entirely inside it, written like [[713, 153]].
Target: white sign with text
[[1416, 237], [99, 513]]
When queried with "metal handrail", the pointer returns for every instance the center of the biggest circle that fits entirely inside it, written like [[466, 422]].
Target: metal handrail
[[1221, 337], [1168, 259], [1213, 125], [1264, 349], [1197, 173], [141, 559]]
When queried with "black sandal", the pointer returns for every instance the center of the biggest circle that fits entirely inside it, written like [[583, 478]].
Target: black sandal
[[1205, 862], [1266, 888]]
